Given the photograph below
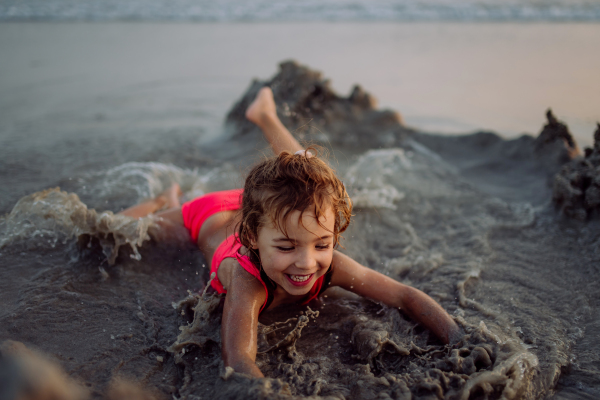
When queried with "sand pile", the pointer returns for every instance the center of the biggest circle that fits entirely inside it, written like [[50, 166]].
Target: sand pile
[[577, 185], [310, 108]]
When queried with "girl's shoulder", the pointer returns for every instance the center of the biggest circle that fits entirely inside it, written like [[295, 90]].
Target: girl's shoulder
[[238, 280]]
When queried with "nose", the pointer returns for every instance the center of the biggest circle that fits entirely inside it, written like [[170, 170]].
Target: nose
[[306, 260]]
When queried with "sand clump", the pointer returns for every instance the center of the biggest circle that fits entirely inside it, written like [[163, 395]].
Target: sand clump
[[26, 374], [204, 329], [556, 142], [310, 108], [576, 189]]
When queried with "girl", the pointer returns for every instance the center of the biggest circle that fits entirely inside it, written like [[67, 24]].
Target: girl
[[293, 210]]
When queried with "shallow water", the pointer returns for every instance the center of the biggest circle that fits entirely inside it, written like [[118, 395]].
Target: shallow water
[[468, 220], [93, 84]]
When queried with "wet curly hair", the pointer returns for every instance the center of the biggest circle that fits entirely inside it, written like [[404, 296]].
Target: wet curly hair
[[279, 185]]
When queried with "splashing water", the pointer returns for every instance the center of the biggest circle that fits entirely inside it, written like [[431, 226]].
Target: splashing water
[[46, 217]]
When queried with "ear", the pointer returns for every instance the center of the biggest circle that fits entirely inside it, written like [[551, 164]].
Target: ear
[[253, 244]]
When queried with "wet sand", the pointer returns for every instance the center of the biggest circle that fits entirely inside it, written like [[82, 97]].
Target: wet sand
[[115, 115]]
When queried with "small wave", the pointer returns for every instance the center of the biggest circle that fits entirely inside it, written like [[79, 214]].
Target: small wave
[[134, 182], [366, 179], [47, 217], [313, 10], [51, 216], [374, 179]]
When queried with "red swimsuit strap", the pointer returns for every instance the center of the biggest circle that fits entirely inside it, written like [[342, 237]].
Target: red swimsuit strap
[[229, 248]]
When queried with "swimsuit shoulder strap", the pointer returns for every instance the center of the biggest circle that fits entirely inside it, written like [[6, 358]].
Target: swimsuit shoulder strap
[[326, 281]]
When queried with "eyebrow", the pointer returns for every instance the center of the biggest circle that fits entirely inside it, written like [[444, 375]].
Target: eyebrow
[[291, 240]]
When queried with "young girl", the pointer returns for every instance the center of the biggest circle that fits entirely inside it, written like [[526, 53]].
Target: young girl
[[293, 210]]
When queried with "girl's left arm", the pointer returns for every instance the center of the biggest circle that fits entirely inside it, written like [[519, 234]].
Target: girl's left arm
[[366, 282]]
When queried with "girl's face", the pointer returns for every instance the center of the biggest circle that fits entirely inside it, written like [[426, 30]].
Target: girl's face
[[297, 261]]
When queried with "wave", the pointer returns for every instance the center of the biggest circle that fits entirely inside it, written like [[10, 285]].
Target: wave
[[52, 216], [47, 217], [340, 10]]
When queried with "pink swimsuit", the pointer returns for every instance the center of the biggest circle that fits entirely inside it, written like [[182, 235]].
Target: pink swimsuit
[[194, 214]]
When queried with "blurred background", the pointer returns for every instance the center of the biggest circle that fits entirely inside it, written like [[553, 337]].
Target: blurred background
[[87, 85], [446, 66]]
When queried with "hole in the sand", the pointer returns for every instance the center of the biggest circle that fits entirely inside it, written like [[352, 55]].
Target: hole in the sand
[[480, 365], [481, 358]]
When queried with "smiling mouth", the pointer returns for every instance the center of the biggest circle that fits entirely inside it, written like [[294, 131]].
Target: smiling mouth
[[299, 280]]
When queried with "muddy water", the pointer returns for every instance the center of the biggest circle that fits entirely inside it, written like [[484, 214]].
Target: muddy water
[[468, 220]]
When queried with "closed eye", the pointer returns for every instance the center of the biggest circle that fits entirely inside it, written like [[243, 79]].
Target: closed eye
[[283, 248], [323, 246]]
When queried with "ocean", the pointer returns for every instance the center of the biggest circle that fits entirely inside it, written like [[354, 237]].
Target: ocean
[[290, 10]]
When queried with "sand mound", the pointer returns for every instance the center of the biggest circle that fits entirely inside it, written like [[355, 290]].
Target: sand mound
[[310, 108], [577, 185], [555, 144]]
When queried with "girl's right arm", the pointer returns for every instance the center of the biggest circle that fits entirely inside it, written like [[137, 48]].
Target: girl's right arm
[[245, 296]]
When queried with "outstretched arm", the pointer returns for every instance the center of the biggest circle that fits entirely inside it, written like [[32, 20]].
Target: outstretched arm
[[366, 282], [263, 113]]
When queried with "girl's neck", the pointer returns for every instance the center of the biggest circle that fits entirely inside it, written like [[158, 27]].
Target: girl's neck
[[280, 296]]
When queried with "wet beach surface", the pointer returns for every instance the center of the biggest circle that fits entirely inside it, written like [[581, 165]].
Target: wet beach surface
[[469, 220]]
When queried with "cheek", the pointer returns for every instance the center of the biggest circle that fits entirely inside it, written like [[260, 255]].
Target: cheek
[[327, 259], [273, 259]]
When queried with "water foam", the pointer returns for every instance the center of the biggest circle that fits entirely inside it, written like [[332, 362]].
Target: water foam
[[134, 182], [367, 178], [289, 10], [47, 217], [51, 216]]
